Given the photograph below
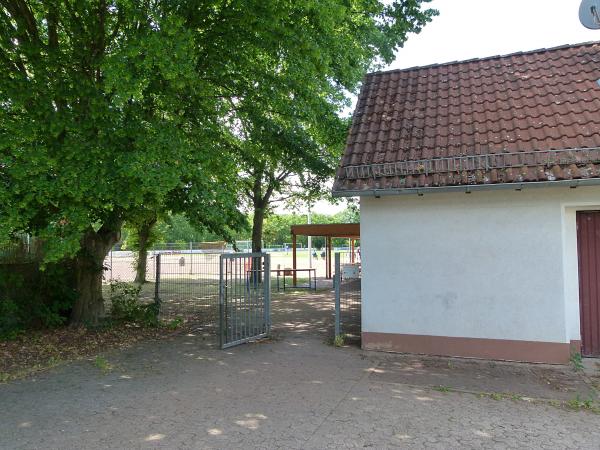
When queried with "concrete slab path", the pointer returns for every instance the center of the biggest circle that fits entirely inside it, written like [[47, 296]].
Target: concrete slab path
[[294, 391]]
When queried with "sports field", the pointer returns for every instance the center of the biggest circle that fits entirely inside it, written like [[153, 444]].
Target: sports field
[[189, 282], [120, 265]]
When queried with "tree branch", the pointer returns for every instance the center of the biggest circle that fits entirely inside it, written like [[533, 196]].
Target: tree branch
[[52, 19], [267, 197], [118, 24], [23, 16], [283, 175]]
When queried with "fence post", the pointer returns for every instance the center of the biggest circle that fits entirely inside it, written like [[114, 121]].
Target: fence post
[[267, 294], [337, 278], [221, 330], [157, 283], [191, 253]]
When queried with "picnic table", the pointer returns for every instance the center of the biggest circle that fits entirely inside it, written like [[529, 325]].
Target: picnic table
[[288, 272]]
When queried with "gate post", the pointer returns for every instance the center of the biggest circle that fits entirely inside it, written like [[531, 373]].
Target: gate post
[[336, 283], [191, 256], [267, 294], [221, 302], [157, 283]]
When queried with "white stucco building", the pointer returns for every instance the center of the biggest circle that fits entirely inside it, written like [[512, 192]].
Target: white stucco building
[[479, 184]]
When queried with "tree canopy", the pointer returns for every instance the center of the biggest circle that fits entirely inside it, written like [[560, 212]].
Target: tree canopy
[[115, 110], [292, 147]]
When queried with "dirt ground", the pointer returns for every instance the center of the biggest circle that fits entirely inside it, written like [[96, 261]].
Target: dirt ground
[[295, 391], [36, 351]]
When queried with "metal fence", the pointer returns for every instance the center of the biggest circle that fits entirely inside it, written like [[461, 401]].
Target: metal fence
[[226, 294], [24, 250], [347, 284], [186, 284]]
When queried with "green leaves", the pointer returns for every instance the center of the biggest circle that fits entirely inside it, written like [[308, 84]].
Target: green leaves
[[110, 110]]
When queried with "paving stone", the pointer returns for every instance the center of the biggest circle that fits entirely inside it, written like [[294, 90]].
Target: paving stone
[[295, 392]]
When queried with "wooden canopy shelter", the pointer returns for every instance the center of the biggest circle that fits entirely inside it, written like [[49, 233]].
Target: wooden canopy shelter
[[328, 231]]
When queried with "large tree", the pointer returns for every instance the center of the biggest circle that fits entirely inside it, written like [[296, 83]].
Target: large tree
[[113, 108], [289, 149], [280, 161], [103, 114]]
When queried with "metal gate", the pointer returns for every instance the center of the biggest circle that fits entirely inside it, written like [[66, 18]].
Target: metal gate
[[244, 298]]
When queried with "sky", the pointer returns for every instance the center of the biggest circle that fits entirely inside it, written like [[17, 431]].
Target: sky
[[468, 29]]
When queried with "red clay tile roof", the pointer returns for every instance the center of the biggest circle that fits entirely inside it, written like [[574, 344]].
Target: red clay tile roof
[[523, 117]]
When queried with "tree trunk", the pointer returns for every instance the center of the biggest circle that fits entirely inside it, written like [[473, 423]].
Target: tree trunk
[[257, 228], [144, 231], [89, 268], [260, 202], [140, 269]]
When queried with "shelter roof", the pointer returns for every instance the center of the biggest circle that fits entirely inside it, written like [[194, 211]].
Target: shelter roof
[[340, 230]]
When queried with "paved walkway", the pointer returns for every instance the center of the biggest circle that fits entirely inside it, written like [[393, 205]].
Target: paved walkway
[[293, 392]]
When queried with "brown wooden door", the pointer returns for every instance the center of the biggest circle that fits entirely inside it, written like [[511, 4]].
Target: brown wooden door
[[588, 251]]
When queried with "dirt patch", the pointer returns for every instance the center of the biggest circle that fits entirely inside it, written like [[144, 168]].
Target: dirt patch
[[40, 350], [472, 375]]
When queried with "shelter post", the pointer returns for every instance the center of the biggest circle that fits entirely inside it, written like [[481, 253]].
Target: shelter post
[[329, 276], [294, 259]]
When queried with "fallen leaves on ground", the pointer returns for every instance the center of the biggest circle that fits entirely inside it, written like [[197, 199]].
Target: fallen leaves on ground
[[39, 350]]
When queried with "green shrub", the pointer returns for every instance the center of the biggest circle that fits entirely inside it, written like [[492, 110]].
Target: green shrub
[[10, 323], [576, 361], [339, 340], [174, 323], [125, 300], [32, 297], [126, 304], [56, 295]]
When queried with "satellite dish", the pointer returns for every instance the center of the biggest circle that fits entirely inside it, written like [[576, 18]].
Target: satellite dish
[[589, 14]]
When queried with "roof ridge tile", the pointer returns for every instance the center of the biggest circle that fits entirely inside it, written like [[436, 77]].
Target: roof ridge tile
[[492, 57]]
